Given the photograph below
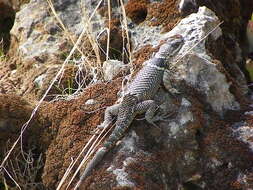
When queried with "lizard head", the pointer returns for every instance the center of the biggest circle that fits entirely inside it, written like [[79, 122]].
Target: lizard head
[[171, 47]]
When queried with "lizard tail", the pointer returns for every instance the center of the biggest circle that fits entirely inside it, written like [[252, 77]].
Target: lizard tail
[[92, 164]]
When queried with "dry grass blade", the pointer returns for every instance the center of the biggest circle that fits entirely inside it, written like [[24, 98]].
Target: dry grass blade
[[191, 48], [73, 163], [109, 26], [127, 35], [91, 38], [90, 152], [24, 127], [62, 25], [9, 175], [24, 173]]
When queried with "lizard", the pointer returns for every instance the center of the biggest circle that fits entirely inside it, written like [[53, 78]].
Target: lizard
[[137, 99]]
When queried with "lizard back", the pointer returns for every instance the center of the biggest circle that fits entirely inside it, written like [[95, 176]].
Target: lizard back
[[147, 80]]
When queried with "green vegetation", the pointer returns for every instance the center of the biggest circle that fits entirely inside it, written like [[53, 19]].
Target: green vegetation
[[69, 90]]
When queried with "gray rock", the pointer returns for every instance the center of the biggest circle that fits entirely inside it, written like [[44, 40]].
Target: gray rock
[[39, 80], [244, 132], [37, 31], [90, 102], [197, 69], [112, 68]]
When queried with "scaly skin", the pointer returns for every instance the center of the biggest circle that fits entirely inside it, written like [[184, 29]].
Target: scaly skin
[[127, 110], [138, 98]]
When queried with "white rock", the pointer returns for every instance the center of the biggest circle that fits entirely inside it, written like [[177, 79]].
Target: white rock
[[243, 132], [39, 80], [90, 102], [39, 37], [197, 69], [113, 67]]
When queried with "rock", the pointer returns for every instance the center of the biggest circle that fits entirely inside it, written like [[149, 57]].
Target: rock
[[187, 7], [112, 68], [39, 80], [197, 69], [39, 44], [181, 138], [250, 35], [34, 37], [90, 102], [244, 132], [193, 147]]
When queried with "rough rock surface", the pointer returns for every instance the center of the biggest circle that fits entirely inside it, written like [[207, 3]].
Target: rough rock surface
[[38, 35], [199, 70], [112, 68], [38, 45], [205, 143]]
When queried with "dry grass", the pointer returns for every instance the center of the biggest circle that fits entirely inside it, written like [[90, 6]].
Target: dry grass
[[24, 173], [66, 32], [124, 20], [2, 55]]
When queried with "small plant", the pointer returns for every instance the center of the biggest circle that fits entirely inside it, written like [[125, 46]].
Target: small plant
[[70, 86], [3, 184], [25, 172], [66, 91]]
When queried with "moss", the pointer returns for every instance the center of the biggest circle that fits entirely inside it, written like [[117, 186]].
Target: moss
[[74, 122], [164, 13], [136, 10]]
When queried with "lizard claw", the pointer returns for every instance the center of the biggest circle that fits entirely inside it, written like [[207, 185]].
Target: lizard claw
[[103, 125], [156, 126], [152, 122], [100, 127], [163, 116]]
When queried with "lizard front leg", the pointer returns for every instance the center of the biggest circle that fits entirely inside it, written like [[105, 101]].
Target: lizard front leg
[[110, 112]]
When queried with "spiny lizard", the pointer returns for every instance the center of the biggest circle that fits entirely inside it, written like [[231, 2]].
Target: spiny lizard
[[138, 98]]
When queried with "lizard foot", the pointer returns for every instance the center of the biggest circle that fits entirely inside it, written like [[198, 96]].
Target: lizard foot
[[164, 116], [103, 125], [152, 122]]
